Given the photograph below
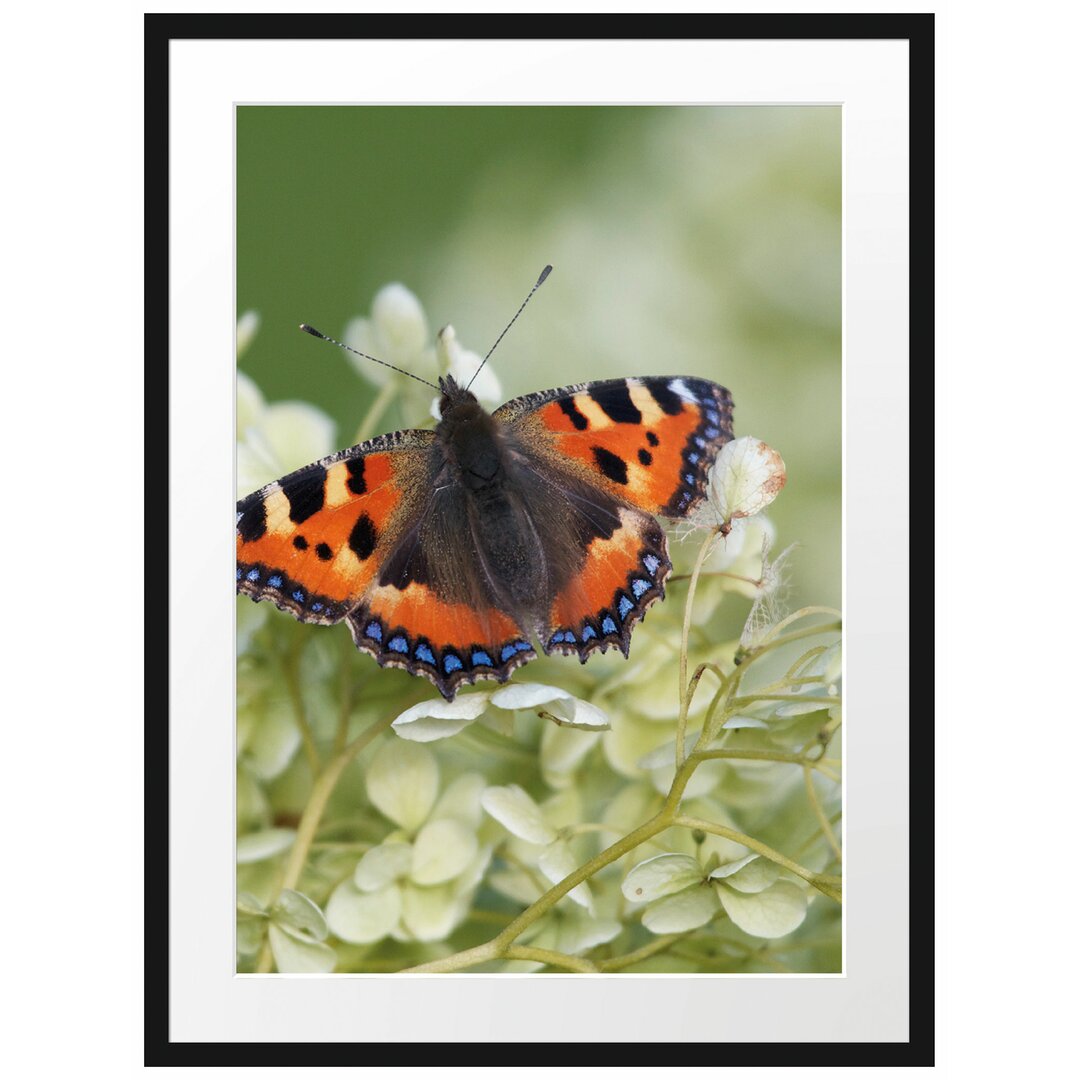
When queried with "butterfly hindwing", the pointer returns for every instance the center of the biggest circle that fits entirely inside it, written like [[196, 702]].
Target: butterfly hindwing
[[313, 541], [648, 441], [449, 644], [622, 575]]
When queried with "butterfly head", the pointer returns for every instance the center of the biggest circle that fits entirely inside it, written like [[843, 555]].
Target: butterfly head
[[455, 398]]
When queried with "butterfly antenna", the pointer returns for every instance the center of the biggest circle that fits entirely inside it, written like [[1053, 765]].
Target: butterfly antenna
[[341, 345], [539, 281]]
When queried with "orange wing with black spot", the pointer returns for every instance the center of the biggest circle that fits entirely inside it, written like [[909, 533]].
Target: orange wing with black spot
[[646, 444], [433, 578], [648, 441], [313, 541], [362, 536]]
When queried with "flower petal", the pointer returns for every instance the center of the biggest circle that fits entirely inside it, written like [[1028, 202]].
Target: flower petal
[[247, 326], [431, 913], [515, 810], [362, 918], [400, 320], [526, 695], [465, 367], [294, 910], [360, 334], [686, 910], [274, 740], [750, 874], [461, 800], [383, 865], [736, 722], [263, 844], [443, 849], [298, 433], [402, 782], [249, 402], [556, 861], [515, 884], [772, 913], [439, 719], [562, 750], [575, 713], [579, 931], [660, 876], [293, 955]]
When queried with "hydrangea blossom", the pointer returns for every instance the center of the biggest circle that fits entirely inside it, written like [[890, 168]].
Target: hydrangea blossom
[[418, 883], [439, 719], [465, 367], [396, 332], [680, 894], [275, 439], [296, 929], [447, 836], [544, 843]]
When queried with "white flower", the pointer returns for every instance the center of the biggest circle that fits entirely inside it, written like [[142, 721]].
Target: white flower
[[438, 719], [396, 333], [681, 895], [272, 440], [569, 930], [513, 808], [296, 928], [464, 366], [417, 884], [247, 326], [745, 477]]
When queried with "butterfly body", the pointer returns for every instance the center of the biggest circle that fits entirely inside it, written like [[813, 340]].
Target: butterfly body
[[447, 552]]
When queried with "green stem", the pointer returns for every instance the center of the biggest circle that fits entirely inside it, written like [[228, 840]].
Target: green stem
[[810, 699], [481, 954], [498, 945], [750, 755], [797, 635], [686, 691], [675, 578], [765, 755], [609, 855], [551, 958], [802, 613], [378, 407], [817, 832], [819, 811], [659, 944]]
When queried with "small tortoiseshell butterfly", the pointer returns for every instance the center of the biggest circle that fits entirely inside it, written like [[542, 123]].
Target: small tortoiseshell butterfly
[[446, 551]]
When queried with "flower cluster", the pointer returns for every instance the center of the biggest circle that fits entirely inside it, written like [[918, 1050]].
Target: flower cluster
[[607, 807]]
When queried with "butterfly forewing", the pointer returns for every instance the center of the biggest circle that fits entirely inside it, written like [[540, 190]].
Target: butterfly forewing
[[648, 441]]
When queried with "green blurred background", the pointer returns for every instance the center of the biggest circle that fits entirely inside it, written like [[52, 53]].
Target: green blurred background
[[685, 240]]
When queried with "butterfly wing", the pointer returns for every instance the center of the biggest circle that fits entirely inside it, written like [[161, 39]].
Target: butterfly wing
[[312, 542], [374, 535], [617, 452], [648, 441]]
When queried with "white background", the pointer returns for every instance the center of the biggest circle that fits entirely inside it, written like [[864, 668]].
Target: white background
[[1007, 287]]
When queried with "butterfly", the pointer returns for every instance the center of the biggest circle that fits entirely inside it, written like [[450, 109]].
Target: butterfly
[[448, 551]]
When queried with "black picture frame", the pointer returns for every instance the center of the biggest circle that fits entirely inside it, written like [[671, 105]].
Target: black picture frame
[[160, 30]]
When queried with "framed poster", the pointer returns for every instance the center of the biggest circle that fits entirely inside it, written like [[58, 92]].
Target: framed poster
[[654, 850]]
